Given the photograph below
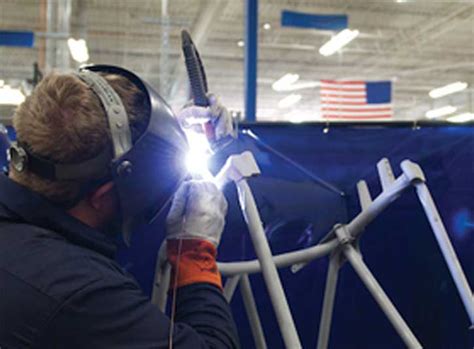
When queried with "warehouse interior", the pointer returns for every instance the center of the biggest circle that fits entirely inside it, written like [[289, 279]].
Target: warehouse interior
[[359, 120]]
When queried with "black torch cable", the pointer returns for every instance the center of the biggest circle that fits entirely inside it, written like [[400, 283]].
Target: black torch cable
[[196, 74]]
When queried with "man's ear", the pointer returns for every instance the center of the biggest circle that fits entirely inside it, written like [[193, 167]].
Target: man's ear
[[103, 198]]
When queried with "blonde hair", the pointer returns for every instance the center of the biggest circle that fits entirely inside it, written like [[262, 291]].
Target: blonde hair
[[64, 121]]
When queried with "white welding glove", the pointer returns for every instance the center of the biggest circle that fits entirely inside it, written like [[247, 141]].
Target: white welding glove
[[197, 212], [192, 115]]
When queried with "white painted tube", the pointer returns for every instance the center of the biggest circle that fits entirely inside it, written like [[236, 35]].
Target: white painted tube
[[447, 249], [269, 269]]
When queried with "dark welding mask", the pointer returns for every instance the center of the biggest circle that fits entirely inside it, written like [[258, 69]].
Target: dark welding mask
[[146, 173]]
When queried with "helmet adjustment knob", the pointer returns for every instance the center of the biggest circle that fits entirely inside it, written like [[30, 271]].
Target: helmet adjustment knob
[[18, 157], [125, 168]]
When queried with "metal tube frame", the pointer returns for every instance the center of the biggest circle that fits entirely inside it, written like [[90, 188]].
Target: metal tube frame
[[342, 244], [252, 312], [328, 303], [269, 269], [230, 286], [381, 297]]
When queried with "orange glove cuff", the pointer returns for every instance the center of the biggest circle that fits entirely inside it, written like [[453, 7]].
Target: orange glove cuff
[[197, 262]]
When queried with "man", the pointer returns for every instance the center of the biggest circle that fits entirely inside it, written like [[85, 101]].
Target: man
[[100, 151]]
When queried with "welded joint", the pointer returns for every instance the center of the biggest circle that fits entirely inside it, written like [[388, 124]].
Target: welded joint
[[345, 239], [238, 167], [413, 171], [343, 235]]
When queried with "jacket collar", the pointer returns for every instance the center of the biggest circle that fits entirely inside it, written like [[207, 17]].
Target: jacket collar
[[20, 203]]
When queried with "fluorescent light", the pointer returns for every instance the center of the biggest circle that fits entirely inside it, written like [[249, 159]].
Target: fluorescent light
[[448, 89], [78, 49], [289, 100], [436, 113], [267, 26], [338, 41], [464, 117], [240, 43], [11, 96], [286, 80], [302, 85], [288, 83]]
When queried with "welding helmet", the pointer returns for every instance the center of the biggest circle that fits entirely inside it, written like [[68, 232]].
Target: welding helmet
[[146, 172]]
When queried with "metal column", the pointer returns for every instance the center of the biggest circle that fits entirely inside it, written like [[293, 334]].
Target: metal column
[[164, 49], [251, 59]]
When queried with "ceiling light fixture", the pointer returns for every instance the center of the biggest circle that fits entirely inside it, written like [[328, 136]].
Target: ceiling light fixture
[[464, 117], [439, 112], [302, 85], [338, 41], [267, 26], [11, 96], [448, 89], [240, 43], [78, 49], [285, 81], [288, 83], [289, 100]]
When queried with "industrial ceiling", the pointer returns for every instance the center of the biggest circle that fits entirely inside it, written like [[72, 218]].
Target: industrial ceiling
[[418, 45]]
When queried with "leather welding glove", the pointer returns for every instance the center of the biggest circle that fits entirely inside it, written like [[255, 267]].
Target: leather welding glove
[[194, 228], [192, 115]]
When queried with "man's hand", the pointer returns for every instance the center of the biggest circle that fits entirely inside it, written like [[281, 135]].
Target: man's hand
[[198, 212], [194, 228], [192, 115]]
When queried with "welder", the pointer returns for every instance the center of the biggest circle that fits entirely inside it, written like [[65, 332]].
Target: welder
[[100, 152]]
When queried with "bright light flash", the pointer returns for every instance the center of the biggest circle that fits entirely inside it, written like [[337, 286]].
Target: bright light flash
[[197, 160]]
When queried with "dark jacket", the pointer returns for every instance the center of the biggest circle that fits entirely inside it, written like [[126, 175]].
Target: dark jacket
[[61, 288]]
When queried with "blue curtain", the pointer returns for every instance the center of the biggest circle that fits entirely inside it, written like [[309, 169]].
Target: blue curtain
[[299, 208]]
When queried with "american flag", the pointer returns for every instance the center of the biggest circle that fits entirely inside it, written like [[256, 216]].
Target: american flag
[[356, 99]]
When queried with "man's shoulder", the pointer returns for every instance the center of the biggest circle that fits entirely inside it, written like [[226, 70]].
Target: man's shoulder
[[51, 264], [43, 276]]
